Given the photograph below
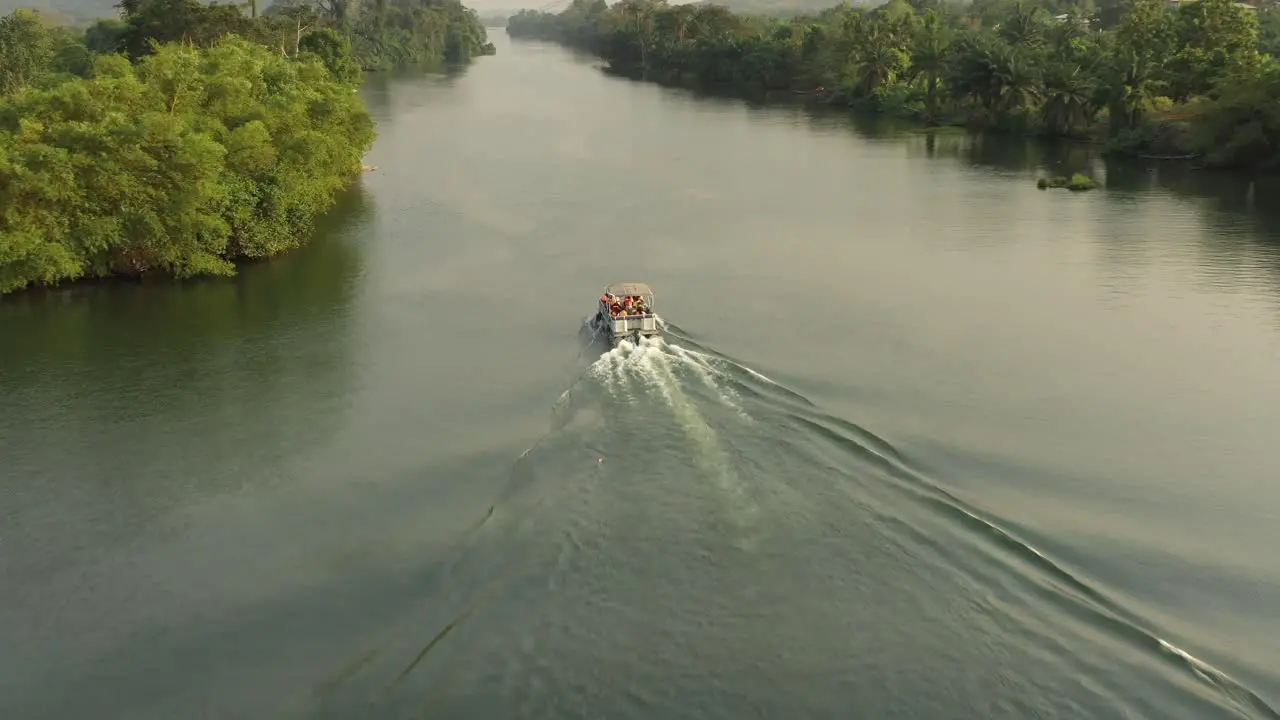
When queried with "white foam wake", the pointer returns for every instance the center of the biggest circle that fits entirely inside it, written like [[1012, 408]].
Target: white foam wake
[[631, 370]]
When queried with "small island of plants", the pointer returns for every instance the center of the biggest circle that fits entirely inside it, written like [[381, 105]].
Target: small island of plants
[[1077, 181]]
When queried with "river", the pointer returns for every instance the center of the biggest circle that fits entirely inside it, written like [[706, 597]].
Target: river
[[922, 440]]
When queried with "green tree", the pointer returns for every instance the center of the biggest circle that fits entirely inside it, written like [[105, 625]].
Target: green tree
[[105, 36], [879, 56], [1269, 30], [335, 52], [999, 77], [1026, 26], [163, 21], [26, 50], [1214, 38], [1073, 88], [930, 53], [1242, 127], [1136, 72]]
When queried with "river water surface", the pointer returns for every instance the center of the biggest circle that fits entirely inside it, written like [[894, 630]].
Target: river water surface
[[921, 441]]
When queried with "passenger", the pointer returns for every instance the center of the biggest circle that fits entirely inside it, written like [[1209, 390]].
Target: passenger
[[615, 308]]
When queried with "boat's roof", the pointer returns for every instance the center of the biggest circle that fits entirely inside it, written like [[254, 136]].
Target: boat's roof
[[628, 288]]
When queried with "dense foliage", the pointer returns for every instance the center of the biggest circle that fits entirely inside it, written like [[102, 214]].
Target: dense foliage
[[1152, 76], [178, 164], [383, 34], [184, 136]]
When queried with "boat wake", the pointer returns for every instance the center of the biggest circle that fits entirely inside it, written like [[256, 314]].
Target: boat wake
[[694, 539]]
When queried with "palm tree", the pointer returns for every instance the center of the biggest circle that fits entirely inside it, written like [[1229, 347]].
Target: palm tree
[[994, 74], [1068, 93], [1132, 83], [930, 53], [878, 58], [1025, 28]]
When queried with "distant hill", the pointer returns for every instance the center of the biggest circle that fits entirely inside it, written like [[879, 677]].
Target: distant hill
[[76, 11], [761, 7], [494, 12], [81, 12], [788, 7]]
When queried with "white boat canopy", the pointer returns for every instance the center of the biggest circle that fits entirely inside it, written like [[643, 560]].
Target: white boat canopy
[[623, 289]]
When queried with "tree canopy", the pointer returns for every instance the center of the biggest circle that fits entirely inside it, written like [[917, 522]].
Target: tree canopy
[[384, 34], [1152, 76], [184, 136]]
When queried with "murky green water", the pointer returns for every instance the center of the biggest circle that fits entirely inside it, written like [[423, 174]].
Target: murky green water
[[922, 440]]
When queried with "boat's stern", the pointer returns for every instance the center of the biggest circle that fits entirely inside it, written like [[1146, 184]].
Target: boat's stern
[[633, 327], [646, 325]]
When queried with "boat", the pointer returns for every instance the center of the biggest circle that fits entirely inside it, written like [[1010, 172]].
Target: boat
[[618, 320]]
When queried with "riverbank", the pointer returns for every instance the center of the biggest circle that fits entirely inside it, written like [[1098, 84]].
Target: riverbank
[[1094, 137], [181, 147], [1019, 70]]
